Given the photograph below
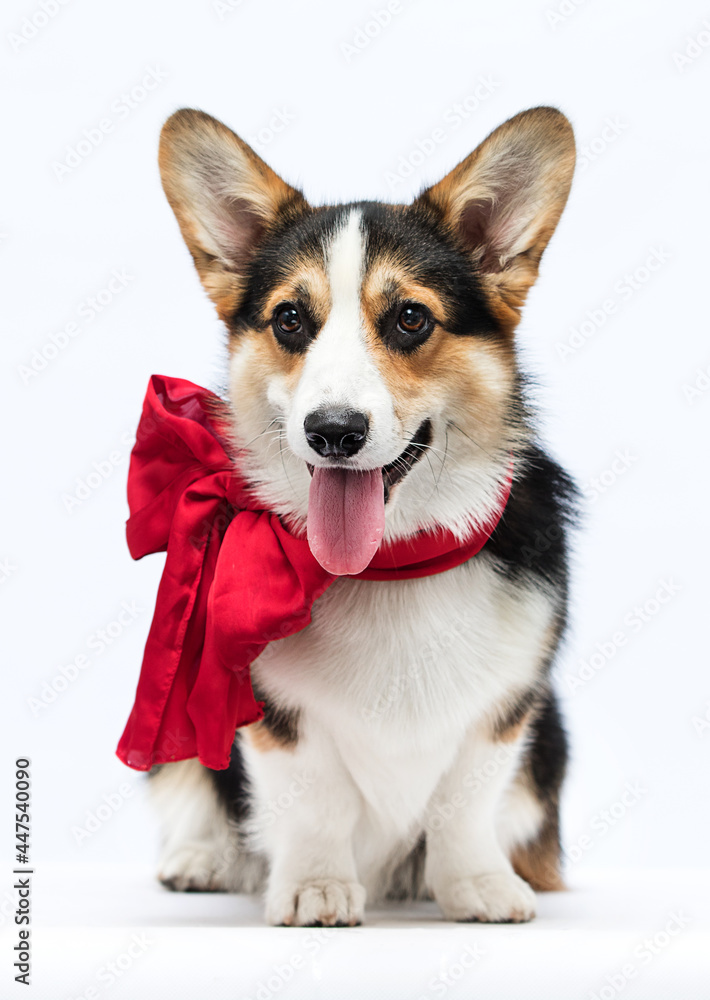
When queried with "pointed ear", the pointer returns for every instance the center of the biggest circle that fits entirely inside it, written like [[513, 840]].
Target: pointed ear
[[504, 201], [225, 199]]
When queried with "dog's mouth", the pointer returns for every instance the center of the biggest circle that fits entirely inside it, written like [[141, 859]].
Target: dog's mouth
[[346, 507], [396, 471]]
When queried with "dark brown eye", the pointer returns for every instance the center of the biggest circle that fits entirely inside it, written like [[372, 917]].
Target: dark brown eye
[[413, 319], [287, 319]]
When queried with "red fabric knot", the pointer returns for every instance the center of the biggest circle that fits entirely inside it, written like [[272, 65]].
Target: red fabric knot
[[235, 578]]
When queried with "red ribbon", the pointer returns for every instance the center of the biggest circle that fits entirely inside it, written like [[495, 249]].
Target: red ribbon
[[234, 580]]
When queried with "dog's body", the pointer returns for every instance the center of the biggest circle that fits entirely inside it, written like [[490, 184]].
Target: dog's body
[[411, 745]]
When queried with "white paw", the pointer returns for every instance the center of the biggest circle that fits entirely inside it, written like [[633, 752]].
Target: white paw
[[498, 898], [193, 868], [322, 902]]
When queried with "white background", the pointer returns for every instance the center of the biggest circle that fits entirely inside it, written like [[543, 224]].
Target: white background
[[356, 121]]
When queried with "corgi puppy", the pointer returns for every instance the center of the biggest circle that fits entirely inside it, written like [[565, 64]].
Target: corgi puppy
[[411, 746]]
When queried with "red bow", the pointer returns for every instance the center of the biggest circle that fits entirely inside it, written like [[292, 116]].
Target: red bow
[[234, 580]]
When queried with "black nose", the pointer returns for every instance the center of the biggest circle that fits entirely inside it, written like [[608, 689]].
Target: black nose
[[336, 433]]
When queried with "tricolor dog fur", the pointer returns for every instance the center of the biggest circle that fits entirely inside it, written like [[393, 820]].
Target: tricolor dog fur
[[411, 745]]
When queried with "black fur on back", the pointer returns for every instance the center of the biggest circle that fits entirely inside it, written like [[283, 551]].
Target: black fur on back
[[532, 541], [531, 537]]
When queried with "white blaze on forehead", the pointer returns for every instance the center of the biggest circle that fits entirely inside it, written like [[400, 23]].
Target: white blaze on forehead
[[337, 366], [339, 372], [339, 351], [339, 348], [346, 263]]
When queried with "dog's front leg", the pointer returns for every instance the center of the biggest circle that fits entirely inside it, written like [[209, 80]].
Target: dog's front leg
[[467, 871], [307, 808]]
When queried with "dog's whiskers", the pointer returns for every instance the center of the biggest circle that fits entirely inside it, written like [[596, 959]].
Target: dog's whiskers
[[443, 458], [263, 433], [472, 440], [443, 461], [283, 463]]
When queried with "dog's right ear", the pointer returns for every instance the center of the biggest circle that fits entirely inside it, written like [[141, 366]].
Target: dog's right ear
[[225, 199]]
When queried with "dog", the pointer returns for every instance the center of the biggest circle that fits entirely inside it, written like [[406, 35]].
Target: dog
[[411, 746]]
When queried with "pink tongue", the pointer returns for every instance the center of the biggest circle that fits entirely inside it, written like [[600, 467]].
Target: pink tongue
[[346, 518]]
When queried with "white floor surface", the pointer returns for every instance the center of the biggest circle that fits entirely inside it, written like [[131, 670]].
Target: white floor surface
[[113, 931]]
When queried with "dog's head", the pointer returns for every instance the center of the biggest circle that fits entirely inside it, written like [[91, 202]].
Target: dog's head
[[373, 379]]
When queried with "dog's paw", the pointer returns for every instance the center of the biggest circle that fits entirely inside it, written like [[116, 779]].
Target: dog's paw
[[498, 898], [193, 868], [323, 902]]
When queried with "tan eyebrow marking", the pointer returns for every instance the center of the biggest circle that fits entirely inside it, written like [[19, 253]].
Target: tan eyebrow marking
[[388, 282], [307, 284]]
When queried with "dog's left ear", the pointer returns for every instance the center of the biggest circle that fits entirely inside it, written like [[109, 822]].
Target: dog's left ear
[[504, 201], [225, 199]]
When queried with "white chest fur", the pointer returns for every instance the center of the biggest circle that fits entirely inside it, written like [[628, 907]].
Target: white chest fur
[[396, 673]]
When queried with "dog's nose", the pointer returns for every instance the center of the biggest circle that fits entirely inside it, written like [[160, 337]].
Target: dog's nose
[[336, 433]]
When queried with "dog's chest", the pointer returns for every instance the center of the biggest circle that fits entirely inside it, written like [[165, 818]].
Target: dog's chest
[[411, 661]]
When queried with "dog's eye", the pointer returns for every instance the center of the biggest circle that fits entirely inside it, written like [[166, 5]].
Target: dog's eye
[[288, 320], [413, 319]]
